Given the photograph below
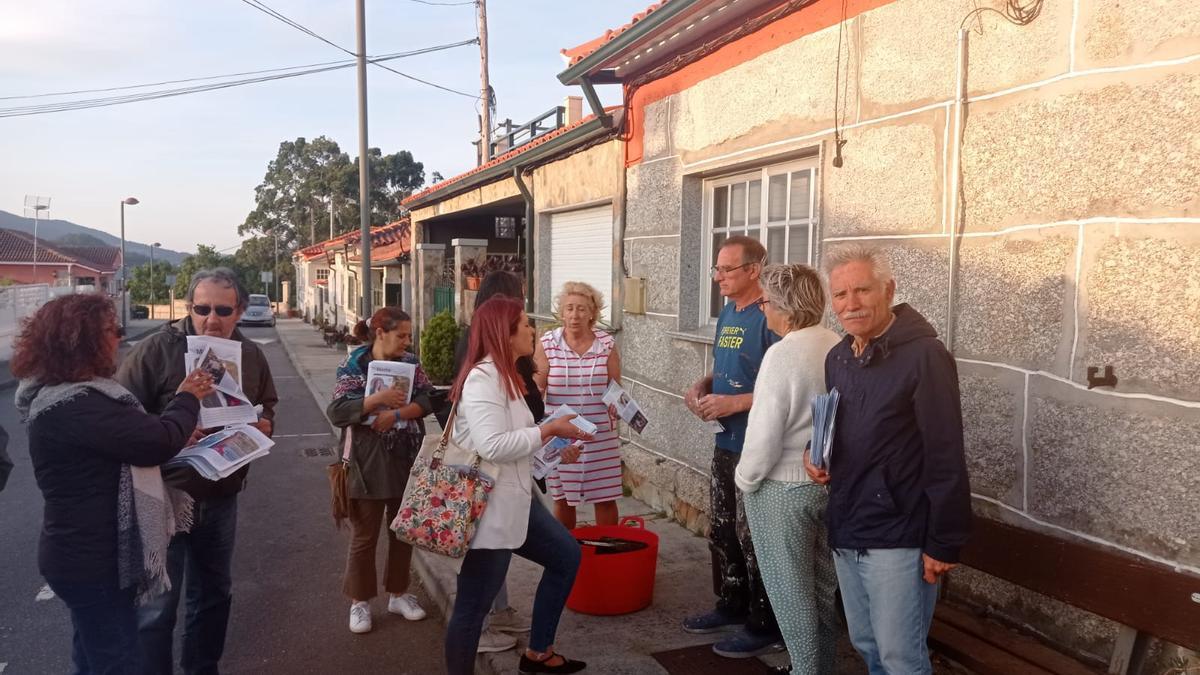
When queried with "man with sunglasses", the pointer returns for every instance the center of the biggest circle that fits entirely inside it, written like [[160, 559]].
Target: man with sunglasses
[[725, 396], [153, 371]]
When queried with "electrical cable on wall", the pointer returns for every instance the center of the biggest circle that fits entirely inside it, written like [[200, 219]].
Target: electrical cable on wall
[[839, 117], [1019, 12]]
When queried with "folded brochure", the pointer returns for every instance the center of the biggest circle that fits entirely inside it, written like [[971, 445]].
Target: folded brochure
[[627, 408], [550, 454], [824, 414], [220, 454]]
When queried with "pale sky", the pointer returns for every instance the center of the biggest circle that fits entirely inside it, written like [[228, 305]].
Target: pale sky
[[194, 160]]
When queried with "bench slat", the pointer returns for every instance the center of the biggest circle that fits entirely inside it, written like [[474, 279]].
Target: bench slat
[[1025, 647], [1151, 597], [977, 655]]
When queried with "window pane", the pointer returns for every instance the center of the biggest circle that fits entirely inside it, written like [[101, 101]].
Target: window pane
[[797, 250], [755, 202], [777, 197], [737, 207], [801, 185], [775, 244], [715, 300], [720, 206]]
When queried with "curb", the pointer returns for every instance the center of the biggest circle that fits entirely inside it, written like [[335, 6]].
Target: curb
[[438, 592]]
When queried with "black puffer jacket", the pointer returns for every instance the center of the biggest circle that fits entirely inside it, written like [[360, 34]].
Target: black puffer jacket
[[899, 476]]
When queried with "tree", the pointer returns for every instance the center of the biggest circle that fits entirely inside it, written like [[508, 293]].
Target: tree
[[207, 257], [142, 279]]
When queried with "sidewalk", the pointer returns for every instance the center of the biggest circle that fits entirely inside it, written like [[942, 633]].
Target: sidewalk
[[617, 645]]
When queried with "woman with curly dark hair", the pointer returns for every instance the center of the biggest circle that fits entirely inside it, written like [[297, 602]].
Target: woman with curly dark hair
[[107, 517]]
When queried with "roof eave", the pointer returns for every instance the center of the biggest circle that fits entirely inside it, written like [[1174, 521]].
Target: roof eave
[[504, 169], [594, 62]]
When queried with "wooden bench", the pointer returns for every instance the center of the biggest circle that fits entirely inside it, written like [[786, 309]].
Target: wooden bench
[[1148, 599]]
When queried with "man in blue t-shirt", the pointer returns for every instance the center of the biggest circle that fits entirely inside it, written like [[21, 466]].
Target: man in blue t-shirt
[[725, 397]]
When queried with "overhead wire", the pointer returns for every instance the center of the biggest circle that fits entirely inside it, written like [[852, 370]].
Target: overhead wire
[[266, 9], [445, 4], [62, 106]]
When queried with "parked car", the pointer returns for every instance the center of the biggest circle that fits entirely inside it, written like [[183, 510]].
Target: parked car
[[139, 312], [258, 313]]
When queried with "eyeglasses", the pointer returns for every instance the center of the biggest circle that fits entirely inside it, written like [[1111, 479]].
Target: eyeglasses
[[762, 303], [718, 269], [205, 310]]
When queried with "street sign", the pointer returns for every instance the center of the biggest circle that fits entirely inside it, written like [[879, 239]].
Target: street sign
[[265, 277]]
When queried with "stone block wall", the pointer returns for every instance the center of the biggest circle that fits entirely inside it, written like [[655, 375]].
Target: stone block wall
[[1079, 210]]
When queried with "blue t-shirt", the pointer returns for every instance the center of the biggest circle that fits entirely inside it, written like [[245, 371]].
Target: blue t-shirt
[[742, 340]]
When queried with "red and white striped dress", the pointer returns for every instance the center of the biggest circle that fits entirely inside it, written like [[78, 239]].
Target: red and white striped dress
[[579, 381]]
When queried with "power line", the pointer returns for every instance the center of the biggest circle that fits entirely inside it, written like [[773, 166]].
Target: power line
[[388, 56], [62, 106], [264, 8], [445, 4]]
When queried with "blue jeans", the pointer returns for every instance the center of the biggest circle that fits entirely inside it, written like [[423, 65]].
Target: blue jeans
[[889, 607], [548, 544], [104, 619], [203, 561]]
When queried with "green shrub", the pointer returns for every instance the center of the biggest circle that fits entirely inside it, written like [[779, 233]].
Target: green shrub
[[437, 347]]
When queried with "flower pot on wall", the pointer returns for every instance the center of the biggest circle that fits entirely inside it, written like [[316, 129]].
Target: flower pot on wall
[[472, 283]]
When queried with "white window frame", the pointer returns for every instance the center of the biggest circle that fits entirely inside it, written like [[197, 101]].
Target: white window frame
[[322, 273], [763, 226]]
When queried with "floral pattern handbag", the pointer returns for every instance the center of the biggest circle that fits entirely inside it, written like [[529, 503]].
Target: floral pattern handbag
[[443, 502]]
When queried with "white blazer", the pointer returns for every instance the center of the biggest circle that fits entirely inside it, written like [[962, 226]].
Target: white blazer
[[502, 432]]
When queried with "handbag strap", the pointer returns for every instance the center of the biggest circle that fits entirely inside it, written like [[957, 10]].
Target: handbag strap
[[346, 445], [440, 453]]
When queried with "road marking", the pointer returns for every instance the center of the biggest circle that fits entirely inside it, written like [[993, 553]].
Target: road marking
[[263, 341], [44, 594], [301, 435], [2, 667]]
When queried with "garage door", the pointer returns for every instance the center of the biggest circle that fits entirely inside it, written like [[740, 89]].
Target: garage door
[[581, 249]]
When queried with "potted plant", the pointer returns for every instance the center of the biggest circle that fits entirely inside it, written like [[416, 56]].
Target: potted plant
[[437, 347], [472, 274]]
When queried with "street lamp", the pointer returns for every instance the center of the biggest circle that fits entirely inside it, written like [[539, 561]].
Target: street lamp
[[152, 247], [124, 294]]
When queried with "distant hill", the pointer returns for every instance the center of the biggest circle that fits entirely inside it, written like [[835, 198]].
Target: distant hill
[[72, 234]]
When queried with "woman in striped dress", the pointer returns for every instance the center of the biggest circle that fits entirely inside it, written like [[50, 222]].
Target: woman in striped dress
[[575, 366]]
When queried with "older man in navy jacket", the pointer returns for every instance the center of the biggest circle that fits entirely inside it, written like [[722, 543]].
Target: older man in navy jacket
[[900, 502]]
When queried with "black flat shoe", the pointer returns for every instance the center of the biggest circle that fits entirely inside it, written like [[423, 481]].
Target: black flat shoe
[[528, 666]]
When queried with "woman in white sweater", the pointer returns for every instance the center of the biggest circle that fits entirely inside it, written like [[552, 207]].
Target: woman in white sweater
[[493, 421], [784, 508]]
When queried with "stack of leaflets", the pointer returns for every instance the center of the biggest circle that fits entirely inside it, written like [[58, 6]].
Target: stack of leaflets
[[627, 408], [219, 455], [824, 414], [391, 375], [222, 359], [549, 456]]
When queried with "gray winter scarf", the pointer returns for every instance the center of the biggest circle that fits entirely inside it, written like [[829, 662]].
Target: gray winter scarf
[[148, 512]]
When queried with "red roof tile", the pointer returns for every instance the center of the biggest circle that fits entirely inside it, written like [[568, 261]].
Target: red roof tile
[[503, 158], [17, 246], [107, 257], [576, 54], [394, 233]]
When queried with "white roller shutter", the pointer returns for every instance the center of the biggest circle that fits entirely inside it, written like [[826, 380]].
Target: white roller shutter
[[581, 249]]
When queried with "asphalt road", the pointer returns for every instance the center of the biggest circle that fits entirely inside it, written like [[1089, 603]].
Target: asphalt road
[[289, 615]]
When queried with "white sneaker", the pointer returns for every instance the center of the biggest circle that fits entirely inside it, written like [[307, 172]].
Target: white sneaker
[[508, 620], [492, 641], [406, 606], [360, 617]]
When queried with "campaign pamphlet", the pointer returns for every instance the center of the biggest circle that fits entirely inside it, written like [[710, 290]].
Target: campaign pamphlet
[[550, 454], [223, 360], [220, 454], [391, 375], [627, 408], [715, 426], [824, 414]]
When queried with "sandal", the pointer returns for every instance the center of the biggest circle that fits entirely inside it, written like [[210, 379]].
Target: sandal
[[528, 666]]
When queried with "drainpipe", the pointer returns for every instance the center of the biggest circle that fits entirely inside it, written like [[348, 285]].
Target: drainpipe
[[529, 244], [955, 214]]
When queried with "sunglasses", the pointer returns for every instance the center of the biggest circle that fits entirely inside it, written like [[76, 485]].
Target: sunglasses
[[205, 310]]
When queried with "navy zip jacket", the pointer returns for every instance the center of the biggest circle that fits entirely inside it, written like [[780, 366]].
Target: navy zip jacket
[[898, 474]]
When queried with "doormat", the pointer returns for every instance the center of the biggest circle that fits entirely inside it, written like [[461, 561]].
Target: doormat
[[702, 660]]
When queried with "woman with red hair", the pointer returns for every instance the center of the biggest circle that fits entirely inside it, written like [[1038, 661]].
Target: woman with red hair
[[108, 517], [493, 421]]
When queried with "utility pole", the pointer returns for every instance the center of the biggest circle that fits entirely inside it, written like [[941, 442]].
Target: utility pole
[[364, 160], [485, 138]]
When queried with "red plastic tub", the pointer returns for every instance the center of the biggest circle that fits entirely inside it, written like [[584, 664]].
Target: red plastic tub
[[615, 583]]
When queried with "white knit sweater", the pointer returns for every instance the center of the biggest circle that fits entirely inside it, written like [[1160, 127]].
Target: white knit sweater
[[780, 425]]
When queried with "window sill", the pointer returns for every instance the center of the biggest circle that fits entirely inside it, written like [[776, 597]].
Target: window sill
[[704, 336]]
